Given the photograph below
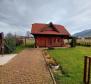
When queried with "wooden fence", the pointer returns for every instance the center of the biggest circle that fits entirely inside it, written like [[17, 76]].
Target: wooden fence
[[87, 67], [83, 42]]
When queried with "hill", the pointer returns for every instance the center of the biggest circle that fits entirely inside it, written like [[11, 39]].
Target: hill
[[85, 33]]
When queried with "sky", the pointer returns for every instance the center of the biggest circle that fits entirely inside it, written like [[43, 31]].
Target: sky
[[17, 16]]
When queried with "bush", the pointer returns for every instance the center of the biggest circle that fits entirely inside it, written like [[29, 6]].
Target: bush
[[10, 43]]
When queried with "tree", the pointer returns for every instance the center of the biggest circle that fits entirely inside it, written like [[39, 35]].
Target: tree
[[28, 34]]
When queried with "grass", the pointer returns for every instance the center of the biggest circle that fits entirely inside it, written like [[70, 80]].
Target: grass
[[72, 62], [19, 49], [29, 44]]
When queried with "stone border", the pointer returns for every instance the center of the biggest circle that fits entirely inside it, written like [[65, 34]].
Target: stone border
[[6, 58], [50, 71]]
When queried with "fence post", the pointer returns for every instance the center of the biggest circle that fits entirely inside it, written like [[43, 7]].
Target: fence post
[[2, 43], [85, 70], [87, 62], [25, 41], [88, 82]]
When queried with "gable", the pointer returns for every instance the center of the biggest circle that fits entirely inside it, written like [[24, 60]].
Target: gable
[[49, 27]]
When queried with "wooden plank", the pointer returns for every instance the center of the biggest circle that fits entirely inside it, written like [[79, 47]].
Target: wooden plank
[[85, 70], [88, 81]]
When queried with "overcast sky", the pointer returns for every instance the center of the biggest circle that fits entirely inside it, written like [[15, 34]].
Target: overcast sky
[[17, 15]]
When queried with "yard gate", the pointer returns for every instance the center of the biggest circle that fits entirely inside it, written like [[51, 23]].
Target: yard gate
[[87, 67]]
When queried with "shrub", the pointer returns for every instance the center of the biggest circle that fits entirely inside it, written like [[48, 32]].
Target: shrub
[[10, 43]]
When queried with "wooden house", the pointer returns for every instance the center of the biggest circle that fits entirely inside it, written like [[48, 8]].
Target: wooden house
[[49, 35]]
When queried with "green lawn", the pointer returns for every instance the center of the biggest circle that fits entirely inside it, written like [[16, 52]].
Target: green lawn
[[72, 63]]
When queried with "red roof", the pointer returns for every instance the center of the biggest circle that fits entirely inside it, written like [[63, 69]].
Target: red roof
[[50, 29]]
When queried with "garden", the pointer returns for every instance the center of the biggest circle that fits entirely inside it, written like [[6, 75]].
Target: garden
[[71, 61]]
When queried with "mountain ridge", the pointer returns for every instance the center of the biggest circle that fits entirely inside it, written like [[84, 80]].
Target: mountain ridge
[[84, 33]]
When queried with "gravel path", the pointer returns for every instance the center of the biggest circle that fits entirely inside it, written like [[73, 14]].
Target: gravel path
[[28, 67]]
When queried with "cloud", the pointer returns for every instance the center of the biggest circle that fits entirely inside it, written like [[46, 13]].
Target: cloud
[[18, 15], [7, 28]]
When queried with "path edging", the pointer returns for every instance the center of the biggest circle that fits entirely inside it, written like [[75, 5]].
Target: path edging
[[50, 71]]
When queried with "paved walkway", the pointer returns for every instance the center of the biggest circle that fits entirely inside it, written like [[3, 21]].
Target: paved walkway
[[28, 67]]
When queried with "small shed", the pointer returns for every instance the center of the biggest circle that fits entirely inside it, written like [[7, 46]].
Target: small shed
[[49, 35]]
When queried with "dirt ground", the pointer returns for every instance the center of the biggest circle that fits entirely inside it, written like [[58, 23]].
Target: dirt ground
[[28, 67]]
